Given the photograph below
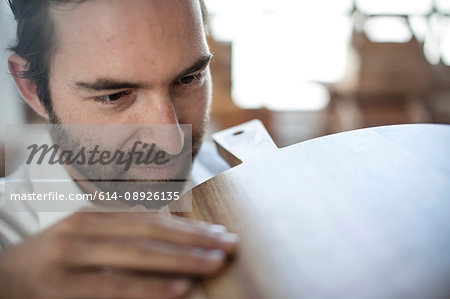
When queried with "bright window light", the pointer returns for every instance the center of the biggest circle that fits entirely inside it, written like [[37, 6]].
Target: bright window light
[[220, 7], [443, 6], [237, 7], [445, 41], [280, 46], [387, 29], [271, 63], [225, 28], [419, 7], [419, 26], [431, 50], [307, 97], [433, 45], [319, 7]]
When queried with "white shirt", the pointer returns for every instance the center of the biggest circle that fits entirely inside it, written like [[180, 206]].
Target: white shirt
[[16, 226]]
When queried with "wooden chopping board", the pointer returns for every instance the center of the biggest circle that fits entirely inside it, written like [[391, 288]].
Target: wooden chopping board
[[361, 214]]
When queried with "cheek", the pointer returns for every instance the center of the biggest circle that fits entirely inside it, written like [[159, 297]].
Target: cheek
[[74, 111], [67, 107], [64, 106], [194, 108]]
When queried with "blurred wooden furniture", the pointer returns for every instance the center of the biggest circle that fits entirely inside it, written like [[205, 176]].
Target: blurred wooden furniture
[[360, 214], [389, 68], [385, 83]]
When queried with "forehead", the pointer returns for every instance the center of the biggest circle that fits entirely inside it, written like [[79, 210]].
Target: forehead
[[108, 37]]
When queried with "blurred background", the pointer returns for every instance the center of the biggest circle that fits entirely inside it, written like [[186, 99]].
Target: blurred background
[[311, 68]]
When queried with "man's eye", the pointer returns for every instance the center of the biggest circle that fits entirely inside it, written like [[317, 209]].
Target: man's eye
[[112, 97], [191, 79]]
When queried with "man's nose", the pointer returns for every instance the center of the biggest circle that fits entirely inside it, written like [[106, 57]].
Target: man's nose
[[161, 124]]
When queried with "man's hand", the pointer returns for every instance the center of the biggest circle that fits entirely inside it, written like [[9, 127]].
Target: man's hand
[[114, 255]]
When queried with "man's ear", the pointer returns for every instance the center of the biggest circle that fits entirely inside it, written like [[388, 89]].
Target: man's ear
[[17, 65]]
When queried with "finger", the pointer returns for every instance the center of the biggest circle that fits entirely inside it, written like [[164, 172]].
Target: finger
[[177, 230], [153, 226], [150, 256], [124, 285]]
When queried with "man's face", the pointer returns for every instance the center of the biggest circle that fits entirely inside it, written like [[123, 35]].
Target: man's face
[[125, 62], [131, 62]]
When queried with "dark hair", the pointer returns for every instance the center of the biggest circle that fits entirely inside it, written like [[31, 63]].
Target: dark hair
[[34, 32], [35, 40]]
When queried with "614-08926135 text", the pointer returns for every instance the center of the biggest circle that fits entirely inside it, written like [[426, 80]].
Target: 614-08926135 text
[[106, 196]]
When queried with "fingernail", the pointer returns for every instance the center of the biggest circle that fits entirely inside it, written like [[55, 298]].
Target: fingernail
[[216, 228], [229, 238], [215, 254]]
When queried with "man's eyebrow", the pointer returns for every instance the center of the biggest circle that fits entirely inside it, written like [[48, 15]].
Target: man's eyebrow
[[201, 63], [108, 84]]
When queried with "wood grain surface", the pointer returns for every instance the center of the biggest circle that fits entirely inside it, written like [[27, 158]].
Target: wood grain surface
[[361, 214]]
